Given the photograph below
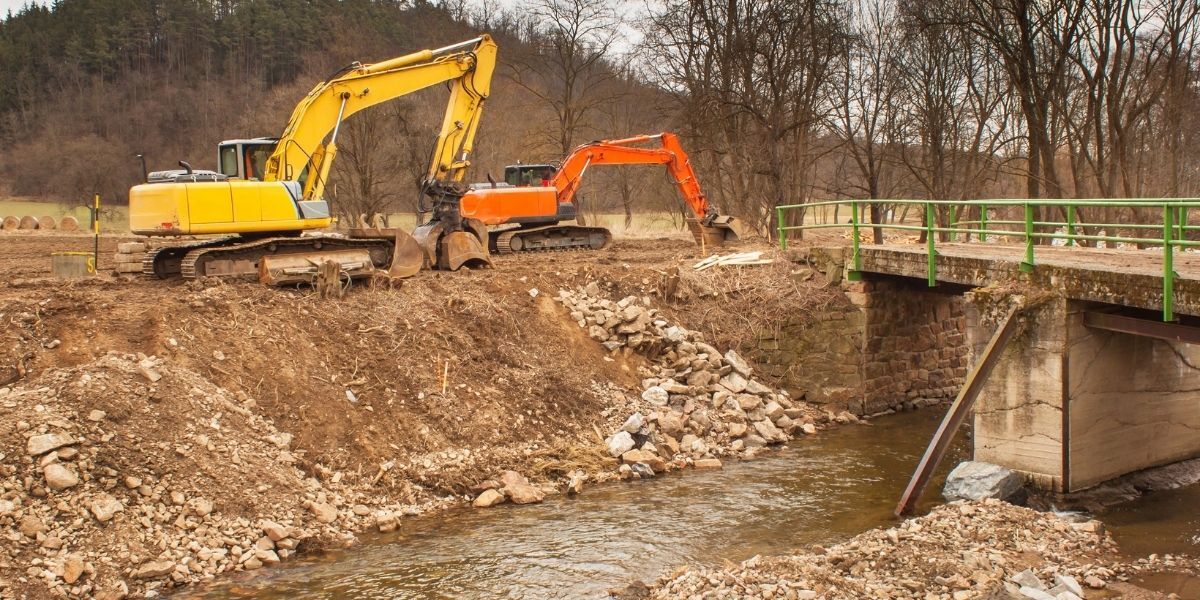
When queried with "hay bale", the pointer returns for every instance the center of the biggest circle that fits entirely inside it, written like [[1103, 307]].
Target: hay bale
[[10, 223], [68, 224], [47, 222], [28, 222]]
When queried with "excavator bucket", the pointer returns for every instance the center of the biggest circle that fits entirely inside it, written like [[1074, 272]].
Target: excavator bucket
[[450, 251], [717, 231], [406, 259]]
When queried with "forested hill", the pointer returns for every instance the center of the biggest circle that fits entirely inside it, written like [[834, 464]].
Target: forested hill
[[88, 84]]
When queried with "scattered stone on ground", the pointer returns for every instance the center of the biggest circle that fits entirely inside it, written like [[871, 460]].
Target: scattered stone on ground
[[967, 549]]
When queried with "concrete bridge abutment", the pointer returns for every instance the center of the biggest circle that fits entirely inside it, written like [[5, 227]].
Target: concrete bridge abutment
[[1072, 406]]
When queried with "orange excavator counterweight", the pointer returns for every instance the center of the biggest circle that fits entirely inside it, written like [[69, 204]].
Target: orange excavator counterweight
[[525, 211]]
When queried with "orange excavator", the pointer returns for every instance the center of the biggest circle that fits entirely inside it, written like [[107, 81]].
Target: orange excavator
[[526, 212]]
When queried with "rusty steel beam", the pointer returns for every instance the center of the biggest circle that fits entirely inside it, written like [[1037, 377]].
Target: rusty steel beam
[[1142, 327], [958, 411]]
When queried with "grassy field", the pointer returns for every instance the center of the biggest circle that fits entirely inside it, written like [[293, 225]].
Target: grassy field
[[113, 218]]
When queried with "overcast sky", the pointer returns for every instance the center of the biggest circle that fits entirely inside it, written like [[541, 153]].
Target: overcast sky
[[13, 5]]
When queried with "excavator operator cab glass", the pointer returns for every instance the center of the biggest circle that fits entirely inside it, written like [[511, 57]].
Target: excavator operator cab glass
[[245, 159], [528, 175]]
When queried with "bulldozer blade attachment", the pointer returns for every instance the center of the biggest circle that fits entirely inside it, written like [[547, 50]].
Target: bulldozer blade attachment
[[406, 259], [450, 251], [407, 256], [463, 248], [426, 238]]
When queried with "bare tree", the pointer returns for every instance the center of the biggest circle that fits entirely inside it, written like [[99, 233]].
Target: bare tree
[[759, 72], [869, 83]]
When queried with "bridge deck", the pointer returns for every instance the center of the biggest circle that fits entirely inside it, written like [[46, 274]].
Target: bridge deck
[[1126, 277]]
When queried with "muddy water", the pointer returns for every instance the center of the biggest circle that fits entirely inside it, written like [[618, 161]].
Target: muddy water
[[820, 490]]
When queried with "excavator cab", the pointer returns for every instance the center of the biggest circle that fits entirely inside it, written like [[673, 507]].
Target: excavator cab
[[245, 159], [529, 175]]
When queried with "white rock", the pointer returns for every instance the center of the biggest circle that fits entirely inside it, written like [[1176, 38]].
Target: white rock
[[620, 443], [634, 423], [656, 395], [1027, 578], [1036, 594], [59, 477], [974, 480], [733, 359], [734, 382], [104, 507], [1068, 582], [41, 444]]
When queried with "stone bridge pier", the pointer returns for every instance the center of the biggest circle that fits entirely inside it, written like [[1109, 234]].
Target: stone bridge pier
[[1074, 402]]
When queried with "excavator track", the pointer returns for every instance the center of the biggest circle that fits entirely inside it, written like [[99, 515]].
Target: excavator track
[[241, 260], [165, 262], [550, 238]]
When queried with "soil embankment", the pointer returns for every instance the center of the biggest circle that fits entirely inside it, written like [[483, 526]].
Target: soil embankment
[[159, 433]]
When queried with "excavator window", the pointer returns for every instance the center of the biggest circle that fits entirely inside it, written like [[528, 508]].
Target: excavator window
[[229, 160], [528, 175]]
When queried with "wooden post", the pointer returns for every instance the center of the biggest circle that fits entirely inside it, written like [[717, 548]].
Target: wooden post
[[958, 411]]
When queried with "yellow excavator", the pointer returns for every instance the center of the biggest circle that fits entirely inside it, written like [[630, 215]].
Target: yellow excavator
[[267, 192]]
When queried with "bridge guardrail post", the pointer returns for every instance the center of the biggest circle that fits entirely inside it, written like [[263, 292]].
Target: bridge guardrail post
[[782, 233], [1070, 224], [856, 255], [1168, 263], [1027, 264], [930, 244], [983, 225]]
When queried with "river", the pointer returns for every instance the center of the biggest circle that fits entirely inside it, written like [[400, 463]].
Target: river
[[819, 490]]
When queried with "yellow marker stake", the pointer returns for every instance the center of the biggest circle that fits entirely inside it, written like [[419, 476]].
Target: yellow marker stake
[[95, 266]]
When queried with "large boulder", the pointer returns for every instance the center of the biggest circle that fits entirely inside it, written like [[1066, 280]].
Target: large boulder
[[620, 443], [973, 480], [517, 488]]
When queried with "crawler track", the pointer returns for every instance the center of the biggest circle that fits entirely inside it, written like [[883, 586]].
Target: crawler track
[[550, 238]]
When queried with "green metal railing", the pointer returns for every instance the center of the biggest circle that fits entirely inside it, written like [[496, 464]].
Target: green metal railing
[[1170, 230]]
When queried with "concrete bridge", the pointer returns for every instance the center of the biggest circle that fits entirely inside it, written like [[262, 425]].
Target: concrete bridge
[[1096, 384]]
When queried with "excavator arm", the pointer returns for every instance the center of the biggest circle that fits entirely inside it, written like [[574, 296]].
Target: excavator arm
[[537, 211], [569, 176], [303, 152]]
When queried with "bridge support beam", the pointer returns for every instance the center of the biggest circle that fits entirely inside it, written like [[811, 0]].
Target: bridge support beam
[[1072, 406]]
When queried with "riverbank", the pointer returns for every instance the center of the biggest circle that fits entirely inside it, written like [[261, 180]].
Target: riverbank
[[986, 549], [159, 434]]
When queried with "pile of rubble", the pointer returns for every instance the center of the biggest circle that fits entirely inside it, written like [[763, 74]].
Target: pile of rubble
[[981, 549], [128, 475], [697, 404]]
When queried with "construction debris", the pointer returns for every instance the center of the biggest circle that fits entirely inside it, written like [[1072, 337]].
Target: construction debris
[[739, 259], [696, 402], [979, 549]]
